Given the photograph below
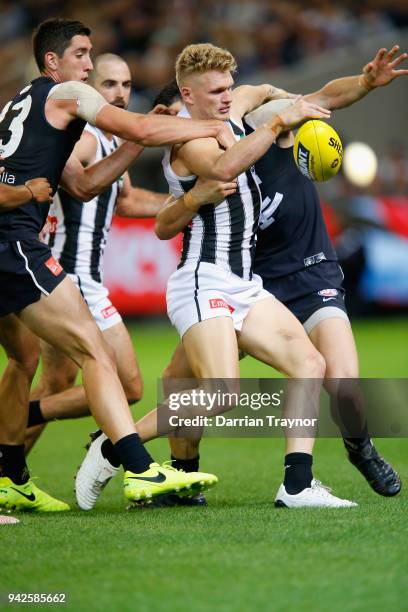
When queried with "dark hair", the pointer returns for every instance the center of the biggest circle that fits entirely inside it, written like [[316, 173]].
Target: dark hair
[[169, 94], [55, 35]]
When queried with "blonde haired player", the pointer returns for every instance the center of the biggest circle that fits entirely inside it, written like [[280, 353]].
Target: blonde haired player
[[214, 300], [297, 263], [278, 168]]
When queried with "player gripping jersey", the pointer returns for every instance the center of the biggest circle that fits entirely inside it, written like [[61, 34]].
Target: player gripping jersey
[[216, 261]]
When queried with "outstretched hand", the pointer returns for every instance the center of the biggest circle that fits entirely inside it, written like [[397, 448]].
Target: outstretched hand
[[300, 111], [382, 69]]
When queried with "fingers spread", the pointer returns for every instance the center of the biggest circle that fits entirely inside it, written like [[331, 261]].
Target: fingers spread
[[381, 53], [392, 52], [399, 59]]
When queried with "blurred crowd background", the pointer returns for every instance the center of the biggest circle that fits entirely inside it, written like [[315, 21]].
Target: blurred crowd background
[[297, 45], [262, 34]]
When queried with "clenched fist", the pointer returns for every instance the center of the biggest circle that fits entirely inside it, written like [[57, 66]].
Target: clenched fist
[[41, 190]]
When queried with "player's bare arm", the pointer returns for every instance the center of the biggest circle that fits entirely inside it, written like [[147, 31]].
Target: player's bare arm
[[379, 72], [177, 213], [84, 179], [37, 189], [204, 157], [246, 98], [344, 91], [137, 202], [72, 100]]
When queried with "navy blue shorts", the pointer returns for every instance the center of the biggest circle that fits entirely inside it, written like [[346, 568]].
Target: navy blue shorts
[[27, 270], [308, 290]]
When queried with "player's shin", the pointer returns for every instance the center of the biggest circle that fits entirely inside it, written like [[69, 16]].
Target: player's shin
[[301, 404]]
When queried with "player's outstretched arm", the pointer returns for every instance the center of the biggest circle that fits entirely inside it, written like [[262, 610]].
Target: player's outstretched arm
[[37, 189], [72, 99], [158, 130], [246, 98], [177, 213], [138, 203], [205, 159], [379, 72]]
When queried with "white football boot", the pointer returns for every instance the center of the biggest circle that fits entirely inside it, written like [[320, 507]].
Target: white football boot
[[94, 473], [315, 496]]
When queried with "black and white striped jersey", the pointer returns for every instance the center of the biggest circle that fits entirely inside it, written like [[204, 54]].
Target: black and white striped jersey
[[82, 228], [224, 235]]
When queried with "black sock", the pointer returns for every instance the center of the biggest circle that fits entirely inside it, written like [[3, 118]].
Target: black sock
[[356, 444], [109, 452], [35, 416], [133, 455], [298, 472], [188, 465], [13, 463]]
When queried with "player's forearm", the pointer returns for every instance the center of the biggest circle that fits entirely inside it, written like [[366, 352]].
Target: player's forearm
[[249, 97], [12, 197], [164, 130], [173, 218], [100, 175], [154, 130], [245, 153], [340, 93], [140, 203]]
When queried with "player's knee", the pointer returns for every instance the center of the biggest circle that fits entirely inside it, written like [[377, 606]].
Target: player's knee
[[341, 386], [90, 344], [27, 363], [31, 364], [133, 389], [313, 365], [341, 371], [53, 383], [222, 394]]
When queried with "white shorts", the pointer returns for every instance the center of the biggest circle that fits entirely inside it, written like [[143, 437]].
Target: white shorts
[[97, 298], [195, 295]]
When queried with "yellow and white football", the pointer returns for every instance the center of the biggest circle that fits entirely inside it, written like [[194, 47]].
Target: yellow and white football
[[318, 151]]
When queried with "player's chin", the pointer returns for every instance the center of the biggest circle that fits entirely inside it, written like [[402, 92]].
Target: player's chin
[[224, 114]]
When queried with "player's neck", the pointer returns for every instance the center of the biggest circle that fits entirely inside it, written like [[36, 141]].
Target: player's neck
[[195, 112], [52, 75]]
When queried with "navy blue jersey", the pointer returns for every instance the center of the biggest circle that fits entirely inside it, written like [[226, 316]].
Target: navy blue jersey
[[32, 148], [292, 233]]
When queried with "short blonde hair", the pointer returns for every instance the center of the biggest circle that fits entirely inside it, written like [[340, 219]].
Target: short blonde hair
[[203, 57]]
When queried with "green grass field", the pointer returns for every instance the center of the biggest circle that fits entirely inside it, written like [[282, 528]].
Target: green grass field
[[239, 553]]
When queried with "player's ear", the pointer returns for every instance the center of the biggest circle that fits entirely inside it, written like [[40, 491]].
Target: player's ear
[[51, 60], [186, 94]]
